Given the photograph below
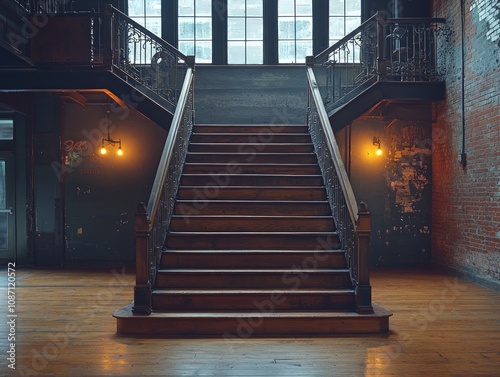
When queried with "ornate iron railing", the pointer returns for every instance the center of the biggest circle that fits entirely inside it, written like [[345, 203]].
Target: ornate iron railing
[[353, 224], [152, 221], [45, 6], [381, 49], [141, 56]]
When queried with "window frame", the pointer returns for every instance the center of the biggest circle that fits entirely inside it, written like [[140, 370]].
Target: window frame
[[320, 19]]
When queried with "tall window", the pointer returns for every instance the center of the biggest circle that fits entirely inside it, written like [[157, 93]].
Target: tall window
[[195, 29], [345, 16], [245, 32], [147, 13], [295, 29]]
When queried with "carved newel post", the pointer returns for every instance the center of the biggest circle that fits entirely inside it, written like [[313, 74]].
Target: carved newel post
[[142, 289], [363, 288]]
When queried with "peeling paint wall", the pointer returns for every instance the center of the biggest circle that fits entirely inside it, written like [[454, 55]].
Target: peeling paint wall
[[397, 185]]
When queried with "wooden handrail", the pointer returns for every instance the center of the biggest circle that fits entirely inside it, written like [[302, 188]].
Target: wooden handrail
[[333, 147], [166, 157]]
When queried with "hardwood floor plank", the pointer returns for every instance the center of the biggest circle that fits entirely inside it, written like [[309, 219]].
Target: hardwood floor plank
[[440, 327]]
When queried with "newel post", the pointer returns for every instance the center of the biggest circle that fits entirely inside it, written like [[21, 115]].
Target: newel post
[[381, 58], [363, 288], [142, 289]]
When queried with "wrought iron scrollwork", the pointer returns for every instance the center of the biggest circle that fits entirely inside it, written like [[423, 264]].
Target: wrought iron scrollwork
[[378, 50]]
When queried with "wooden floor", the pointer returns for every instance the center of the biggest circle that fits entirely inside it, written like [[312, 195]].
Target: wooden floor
[[441, 327]]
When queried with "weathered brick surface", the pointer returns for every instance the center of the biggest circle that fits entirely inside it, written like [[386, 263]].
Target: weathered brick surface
[[466, 201]]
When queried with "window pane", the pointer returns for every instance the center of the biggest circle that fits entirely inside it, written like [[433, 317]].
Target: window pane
[[351, 23], [255, 53], [286, 51], [353, 8], [186, 28], [153, 7], [286, 8], [337, 7], [135, 8], [140, 20], [203, 8], [236, 8], [6, 129], [236, 52], [304, 28], [336, 27], [304, 48], [203, 28], [254, 29], [186, 8], [236, 28], [186, 47], [304, 8], [154, 25], [286, 28], [254, 8], [204, 52]]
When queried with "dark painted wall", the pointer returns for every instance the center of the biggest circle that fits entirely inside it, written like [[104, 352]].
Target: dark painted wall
[[102, 192], [397, 185]]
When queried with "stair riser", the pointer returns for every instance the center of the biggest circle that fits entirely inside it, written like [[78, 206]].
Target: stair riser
[[252, 149], [257, 301], [248, 193], [260, 138], [255, 260], [224, 280], [254, 157], [244, 242], [250, 129], [251, 224], [204, 206], [223, 179]]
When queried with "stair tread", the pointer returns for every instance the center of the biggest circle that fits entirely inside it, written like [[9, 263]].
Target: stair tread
[[248, 271], [243, 251], [306, 217], [300, 234], [234, 201], [240, 291], [248, 134]]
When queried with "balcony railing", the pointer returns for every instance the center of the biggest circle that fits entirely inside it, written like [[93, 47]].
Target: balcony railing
[[381, 49]]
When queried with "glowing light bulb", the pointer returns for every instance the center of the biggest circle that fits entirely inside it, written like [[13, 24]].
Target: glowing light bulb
[[120, 151], [103, 150], [379, 152]]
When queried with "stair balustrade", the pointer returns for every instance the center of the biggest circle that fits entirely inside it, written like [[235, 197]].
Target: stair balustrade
[[380, 49], [152, 221], [130, 49], [353, 224]]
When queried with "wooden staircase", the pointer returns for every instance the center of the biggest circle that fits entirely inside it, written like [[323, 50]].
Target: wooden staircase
[[252, 247]]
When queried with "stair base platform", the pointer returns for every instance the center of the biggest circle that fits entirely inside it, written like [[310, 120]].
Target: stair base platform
[[241, 325]]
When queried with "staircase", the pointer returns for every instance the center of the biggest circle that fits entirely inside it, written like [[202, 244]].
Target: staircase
[[252, 248]]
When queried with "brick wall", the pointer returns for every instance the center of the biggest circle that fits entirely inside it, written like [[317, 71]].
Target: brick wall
[[466, 201]]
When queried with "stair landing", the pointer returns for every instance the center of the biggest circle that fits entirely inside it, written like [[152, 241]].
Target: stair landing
[[245, 324]]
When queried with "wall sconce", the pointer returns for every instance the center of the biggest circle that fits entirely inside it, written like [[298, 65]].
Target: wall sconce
[[111, 141], [376, 141]]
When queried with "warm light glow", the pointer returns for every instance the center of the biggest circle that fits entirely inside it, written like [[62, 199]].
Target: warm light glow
[[103, 150], [120, 151], [379, 152]]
